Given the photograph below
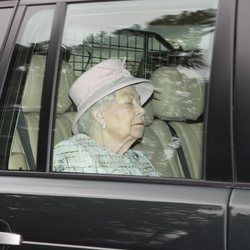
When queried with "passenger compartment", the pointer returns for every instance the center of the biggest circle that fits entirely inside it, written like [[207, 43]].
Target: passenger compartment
[[24, 145], [173, 135], [177, 108]]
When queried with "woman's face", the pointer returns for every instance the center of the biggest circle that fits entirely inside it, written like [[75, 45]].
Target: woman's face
[[124, 119]]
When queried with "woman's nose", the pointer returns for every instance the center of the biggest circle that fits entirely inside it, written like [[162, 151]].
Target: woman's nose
[[140, 109]]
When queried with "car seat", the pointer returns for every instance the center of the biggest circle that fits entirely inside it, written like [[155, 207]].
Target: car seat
[[157, 148], [178, 102], [24, 145]]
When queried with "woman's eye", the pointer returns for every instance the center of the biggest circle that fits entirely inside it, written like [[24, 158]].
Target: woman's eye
[[129, 102]]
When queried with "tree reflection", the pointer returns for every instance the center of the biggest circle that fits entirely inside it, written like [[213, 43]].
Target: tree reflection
[[169, 40]]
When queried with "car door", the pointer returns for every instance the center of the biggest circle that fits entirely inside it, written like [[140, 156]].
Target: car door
[[239, 202], [44, 209]]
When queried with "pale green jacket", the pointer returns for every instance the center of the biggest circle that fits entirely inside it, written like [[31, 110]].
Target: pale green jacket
[[82, 154]]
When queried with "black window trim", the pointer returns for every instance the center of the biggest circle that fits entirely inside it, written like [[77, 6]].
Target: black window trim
[[242, 95], [45, 137], [218, 141]]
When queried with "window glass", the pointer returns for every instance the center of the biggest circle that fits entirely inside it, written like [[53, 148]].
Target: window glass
[[167, 42], [5, 15], [21, 99]]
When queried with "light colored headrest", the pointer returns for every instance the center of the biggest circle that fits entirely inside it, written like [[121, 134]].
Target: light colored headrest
[[149, 113], [179, 93], [31, 100], [67, 78]]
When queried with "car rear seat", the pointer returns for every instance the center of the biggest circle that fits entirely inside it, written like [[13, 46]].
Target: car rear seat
[[179, 97], [178, 103], [30, 104], [158, 148]]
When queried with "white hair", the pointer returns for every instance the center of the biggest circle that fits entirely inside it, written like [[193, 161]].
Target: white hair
[[85, 122]]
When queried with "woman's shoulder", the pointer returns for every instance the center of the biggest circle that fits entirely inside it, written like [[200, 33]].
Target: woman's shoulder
[[71, 156], [75, 140]]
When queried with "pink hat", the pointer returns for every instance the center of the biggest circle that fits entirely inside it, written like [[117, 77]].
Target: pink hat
[[102, 80]]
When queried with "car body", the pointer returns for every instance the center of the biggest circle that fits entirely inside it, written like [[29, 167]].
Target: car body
[[44, 209]]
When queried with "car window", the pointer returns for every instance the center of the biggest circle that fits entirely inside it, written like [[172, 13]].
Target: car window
[[5, 15], [167, 42], [21, 99]]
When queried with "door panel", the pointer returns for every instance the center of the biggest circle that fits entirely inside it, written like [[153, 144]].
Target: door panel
[[239, 220], [114, 214]]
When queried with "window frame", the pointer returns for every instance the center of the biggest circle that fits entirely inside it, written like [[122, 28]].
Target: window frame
[[219, 150], [45, 143], [242, 95], [212, 168]]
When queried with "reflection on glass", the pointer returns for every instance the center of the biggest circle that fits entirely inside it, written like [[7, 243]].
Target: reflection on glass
[[167, 42], [21, 101]]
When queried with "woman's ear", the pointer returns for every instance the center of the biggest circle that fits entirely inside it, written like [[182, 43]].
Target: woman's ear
[[98, 116]]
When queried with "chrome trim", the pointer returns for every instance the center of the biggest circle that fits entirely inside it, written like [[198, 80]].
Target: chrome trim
[[67, 246], [10, 239]]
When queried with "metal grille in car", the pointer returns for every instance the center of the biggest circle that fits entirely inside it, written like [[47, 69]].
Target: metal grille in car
[[145, 51]]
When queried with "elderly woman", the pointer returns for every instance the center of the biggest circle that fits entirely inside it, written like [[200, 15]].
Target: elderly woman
[[109, 120]]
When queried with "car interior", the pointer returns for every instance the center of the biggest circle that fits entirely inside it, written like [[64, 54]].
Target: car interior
[[174, 129], [173, 136], [25, 140]]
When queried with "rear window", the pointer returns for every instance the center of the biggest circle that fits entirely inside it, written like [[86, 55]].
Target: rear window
[[167, 42]]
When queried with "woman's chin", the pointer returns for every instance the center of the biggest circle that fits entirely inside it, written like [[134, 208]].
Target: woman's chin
[[138, 133]]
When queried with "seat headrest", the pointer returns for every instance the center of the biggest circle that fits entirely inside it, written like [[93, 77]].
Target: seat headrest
[[179, 93], [149, 113], [31, 100]]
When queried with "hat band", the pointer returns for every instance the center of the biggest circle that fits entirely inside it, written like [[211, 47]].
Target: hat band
[[122, 79], [92, 92]]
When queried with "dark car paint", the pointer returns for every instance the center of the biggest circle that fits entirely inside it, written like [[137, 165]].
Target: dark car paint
[[242, 93], [239, 206], [218, 137], [139, 214], [115, 214], [239, 220]]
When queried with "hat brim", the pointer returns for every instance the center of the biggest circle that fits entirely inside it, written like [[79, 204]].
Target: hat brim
[[143, 87]]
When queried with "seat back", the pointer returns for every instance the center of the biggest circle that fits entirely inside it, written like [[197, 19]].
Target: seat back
[[30, 108], [157, 148], [178, 102]]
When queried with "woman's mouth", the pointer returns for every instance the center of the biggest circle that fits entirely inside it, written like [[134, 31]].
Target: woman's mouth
[[139, 124]]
